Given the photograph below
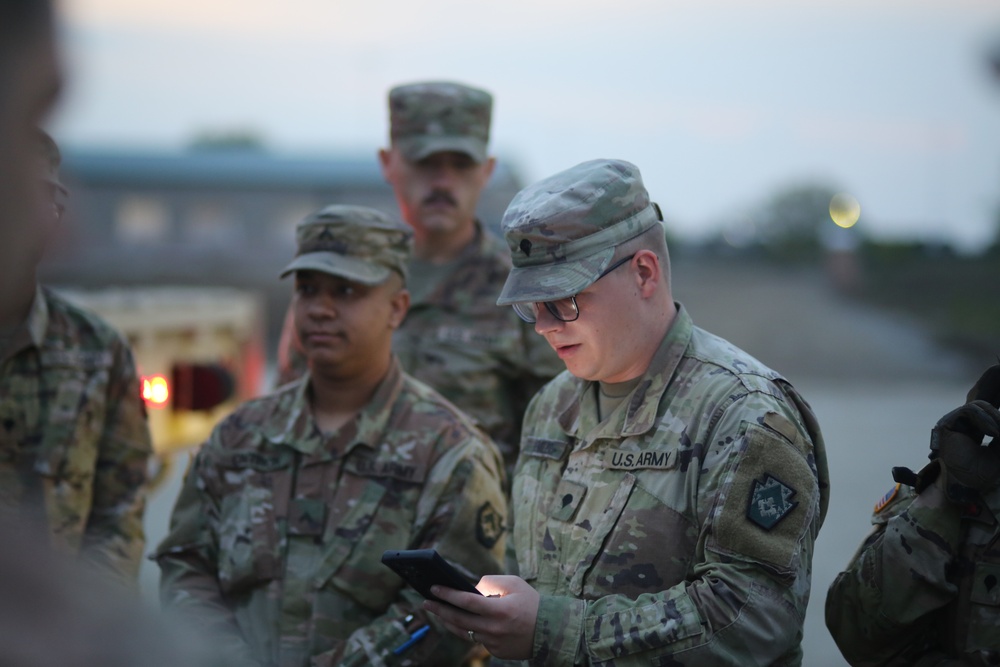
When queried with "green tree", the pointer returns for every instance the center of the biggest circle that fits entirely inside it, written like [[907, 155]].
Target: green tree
[[790, 222]]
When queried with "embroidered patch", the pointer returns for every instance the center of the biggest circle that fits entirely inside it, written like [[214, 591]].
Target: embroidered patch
[[489, 525], [618, 459], [770, 502], [886, 499]]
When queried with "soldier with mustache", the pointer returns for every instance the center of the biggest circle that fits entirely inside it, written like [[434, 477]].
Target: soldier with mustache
[[455, 338]]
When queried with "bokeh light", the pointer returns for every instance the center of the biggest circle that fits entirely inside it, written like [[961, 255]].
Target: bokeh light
[[844, 210]]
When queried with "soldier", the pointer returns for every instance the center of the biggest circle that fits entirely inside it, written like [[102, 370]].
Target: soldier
[[29, 83], [73, 436], [480, 357], [277, 535], [670, 487], [923, 588]]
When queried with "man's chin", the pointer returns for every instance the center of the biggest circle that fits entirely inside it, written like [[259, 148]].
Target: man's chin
[[442, 223]]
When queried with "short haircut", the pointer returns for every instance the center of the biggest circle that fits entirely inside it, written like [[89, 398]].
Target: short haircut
[[654, 239]]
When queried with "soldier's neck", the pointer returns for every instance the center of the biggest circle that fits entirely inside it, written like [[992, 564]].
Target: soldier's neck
[[335, 400], [443, 247]]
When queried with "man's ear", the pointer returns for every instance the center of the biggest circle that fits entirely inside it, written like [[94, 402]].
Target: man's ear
[[384, 159], [400, 305], [647, 271], [489, 166]]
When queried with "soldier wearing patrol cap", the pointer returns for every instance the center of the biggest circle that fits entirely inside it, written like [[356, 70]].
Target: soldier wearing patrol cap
[[277, 535], [670, 487], [74, 442], [454, 338]]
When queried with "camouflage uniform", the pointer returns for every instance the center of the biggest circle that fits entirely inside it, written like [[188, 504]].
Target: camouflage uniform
[[278, 531], [680, 529], [74, 439], [922, 586], [277, 535], [482, 358]]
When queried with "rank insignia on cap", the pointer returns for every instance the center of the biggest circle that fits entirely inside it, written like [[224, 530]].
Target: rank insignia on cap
[[770, 502], [489, 525], [886, 499]]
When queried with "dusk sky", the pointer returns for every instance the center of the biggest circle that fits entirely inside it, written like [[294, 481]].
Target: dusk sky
[[721, 103]]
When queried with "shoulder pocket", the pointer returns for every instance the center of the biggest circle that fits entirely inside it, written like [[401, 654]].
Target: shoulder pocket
[[769, 504]]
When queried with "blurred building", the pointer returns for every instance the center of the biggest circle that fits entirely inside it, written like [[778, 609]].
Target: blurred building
[[213, 216]]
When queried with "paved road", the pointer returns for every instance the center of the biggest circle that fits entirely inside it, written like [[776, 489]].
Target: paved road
[[877, 384]]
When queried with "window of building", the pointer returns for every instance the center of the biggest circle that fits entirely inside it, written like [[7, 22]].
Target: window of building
[[142, 220]]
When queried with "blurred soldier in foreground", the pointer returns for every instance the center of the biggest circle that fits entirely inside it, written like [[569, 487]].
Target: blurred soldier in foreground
[[670, 487], [480, 357], [73, 436], [924, 588], [29, 83], [278, 533], [54, 611]]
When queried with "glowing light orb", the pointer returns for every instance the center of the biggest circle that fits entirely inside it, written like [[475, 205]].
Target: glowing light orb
[[844, 210], [155, 390]]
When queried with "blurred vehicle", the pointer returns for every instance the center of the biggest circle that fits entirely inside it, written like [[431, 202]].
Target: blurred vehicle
[[199, 352]]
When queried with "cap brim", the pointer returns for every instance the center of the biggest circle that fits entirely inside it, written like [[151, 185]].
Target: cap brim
[[418, 148], [351, 268], [548, 282]]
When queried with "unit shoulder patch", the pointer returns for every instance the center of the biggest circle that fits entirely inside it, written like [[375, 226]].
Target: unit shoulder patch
[[489, 525], [770, 501]]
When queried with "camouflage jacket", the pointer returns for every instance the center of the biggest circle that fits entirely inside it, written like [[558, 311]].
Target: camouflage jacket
[[480, 356], [73, 434], [923, 587], [680, 530], [277, 536]]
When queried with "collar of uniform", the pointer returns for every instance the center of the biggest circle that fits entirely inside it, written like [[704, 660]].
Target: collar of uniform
[[638, 412], [31, 332], [299, 430], [438, 294], [38, 317]]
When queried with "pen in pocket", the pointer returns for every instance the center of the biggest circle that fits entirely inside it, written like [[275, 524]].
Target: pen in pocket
[[414, 638]]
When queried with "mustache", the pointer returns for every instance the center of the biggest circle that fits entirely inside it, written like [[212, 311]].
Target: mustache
[[440, 197]]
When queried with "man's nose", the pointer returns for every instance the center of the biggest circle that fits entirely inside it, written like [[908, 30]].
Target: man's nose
[[546, 322], [323, 307]]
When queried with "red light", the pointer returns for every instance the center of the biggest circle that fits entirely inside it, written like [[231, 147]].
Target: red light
[[155, 390]]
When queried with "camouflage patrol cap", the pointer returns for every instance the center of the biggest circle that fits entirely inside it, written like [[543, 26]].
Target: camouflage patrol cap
[[427, 118], [562, 231], [353, 242]]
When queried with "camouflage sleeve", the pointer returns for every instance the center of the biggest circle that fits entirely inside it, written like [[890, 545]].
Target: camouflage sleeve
[[114, 534], [745, 598], [188, 560], [878, 610], [462, 514]]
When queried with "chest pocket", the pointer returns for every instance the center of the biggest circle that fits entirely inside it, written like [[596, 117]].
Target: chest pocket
[[984, 607], [76, 407], [75, 395], [250, 543], [535, 486], [647, 549], [374, 509]]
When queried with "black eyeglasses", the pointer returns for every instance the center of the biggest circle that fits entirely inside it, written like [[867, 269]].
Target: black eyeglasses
[[564, 310]]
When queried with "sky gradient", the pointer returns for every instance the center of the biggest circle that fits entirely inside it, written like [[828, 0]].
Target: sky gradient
[[721, 103]]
